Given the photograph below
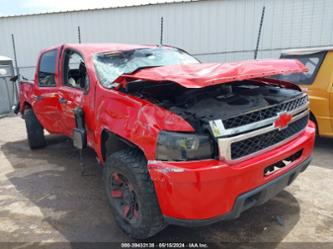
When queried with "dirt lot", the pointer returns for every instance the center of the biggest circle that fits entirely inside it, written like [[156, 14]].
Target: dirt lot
[[43, 197]]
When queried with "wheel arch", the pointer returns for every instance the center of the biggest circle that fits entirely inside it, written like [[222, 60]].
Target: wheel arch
[[24, 106], [111, 142]]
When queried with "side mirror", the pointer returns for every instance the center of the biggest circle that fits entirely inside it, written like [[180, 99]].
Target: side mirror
[[79, 133], [14, 78]]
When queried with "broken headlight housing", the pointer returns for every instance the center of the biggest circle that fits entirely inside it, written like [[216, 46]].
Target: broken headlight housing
[[175, 146]]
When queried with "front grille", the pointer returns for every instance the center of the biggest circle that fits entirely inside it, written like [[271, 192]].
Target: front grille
[[264, 113], [254, 144]]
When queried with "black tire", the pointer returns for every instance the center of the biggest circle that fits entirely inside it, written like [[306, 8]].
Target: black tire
[[314, 120], [132, 166], [35, 131]]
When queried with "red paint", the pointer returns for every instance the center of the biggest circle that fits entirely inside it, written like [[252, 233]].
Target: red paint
[[211, 185], [283, 120], [208, 74], [206, 189]]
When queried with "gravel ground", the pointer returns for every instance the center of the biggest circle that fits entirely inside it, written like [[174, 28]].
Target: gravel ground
[[43, 198]]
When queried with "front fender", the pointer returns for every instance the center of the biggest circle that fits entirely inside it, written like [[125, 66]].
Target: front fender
[[137, 121]]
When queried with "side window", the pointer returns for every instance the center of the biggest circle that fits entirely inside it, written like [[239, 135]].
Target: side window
[[47, 67], [75, 73], [311, 61]]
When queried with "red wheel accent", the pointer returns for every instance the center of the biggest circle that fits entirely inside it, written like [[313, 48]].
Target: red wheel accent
[[117, 193], [123, 194], [126, 210], [136, 214], [116, 178]]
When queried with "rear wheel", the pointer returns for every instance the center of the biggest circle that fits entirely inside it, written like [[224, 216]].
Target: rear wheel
[[131, 194], [35, 131]]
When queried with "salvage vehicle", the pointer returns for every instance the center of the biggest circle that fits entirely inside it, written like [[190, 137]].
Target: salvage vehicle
[[180, 142], [317, 82]]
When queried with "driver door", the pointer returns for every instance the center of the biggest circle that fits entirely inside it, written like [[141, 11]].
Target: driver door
[[73, 89]]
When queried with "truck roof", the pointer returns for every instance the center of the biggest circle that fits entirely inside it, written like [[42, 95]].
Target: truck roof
[[194, 75], [303, 51], [93, 48]]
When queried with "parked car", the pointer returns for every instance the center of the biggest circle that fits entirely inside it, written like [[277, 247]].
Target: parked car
[[317, 82], [181, 142], [7, 88]]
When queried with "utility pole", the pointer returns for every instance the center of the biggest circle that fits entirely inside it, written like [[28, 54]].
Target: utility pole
[[79, 33], [15, 57], [161, 36]]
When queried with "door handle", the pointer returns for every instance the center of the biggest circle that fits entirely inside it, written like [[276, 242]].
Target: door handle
[[38, 97], [62, 100]]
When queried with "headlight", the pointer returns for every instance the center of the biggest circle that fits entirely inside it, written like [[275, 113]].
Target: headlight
[[172, 146]]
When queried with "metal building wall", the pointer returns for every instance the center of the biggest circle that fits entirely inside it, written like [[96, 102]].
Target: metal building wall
[[214, 30]]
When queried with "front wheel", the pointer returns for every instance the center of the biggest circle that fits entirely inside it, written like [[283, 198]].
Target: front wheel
[[131, 194]]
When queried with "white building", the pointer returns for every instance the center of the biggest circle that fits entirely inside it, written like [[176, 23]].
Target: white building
[[214, 30]]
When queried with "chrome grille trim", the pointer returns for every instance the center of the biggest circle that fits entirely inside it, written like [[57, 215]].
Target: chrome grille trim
[[219, 130], [224, 143], [266, 112]]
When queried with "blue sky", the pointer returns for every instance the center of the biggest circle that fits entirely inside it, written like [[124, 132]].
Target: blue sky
[[17, 7]]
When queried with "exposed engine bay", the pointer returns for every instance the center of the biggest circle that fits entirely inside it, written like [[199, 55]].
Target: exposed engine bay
[[200, 105]]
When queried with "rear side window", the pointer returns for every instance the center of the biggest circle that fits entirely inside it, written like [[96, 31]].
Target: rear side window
[[47, 67], [311, 61]]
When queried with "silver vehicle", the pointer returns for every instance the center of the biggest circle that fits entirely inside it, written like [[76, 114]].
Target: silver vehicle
[[8, 89]]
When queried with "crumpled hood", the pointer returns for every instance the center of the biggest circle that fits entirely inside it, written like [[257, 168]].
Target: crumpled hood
[[208, 74]]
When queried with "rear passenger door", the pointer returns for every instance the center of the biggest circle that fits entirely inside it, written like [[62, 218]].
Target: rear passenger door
[[45, 102]]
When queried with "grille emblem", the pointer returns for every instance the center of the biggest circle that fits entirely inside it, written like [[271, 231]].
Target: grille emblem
[[282, 120]]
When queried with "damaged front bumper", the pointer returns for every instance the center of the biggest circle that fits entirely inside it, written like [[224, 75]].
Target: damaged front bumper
[[206, 191]]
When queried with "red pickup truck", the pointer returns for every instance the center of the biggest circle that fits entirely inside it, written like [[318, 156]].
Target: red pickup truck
[[181, 142]]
